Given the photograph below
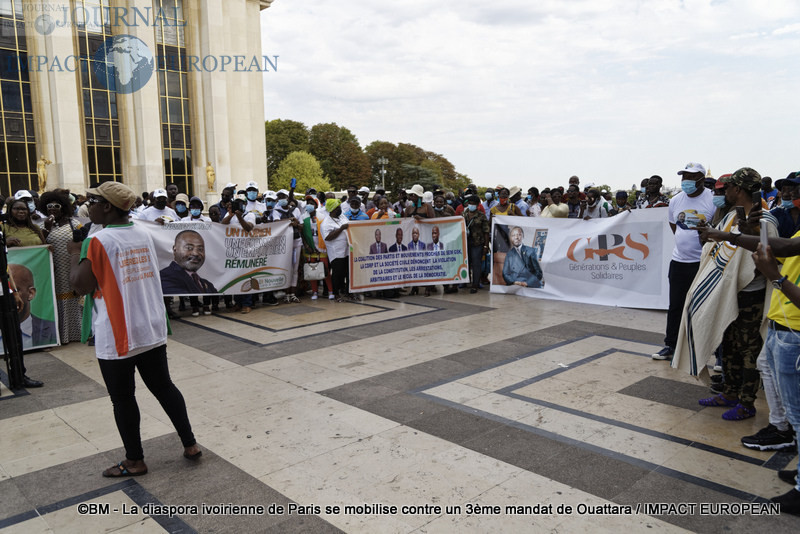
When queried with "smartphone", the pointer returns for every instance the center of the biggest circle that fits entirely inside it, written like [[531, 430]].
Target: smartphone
[[757, 200], [294, 184], [740, 214], [764, 238]]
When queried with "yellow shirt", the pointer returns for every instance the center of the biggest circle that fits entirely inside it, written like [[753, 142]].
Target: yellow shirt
[[781, 309]]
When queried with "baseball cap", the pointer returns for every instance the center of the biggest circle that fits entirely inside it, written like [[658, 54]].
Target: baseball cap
[[157, 193], [22, 193], [364, 189], [251, 185], [182, 197], [282, 192], [229, 185], [270, 194], [693, 167], [746, 178], [117, 194]]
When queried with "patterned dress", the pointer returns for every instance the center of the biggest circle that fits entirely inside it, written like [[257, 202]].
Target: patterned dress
[[70, 306]]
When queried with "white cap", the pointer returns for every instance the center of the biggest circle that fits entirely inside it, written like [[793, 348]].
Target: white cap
[[416, 189], [159, 193], [229, 185], [283, 192], [514, 190], [251, 185], [427, 197], [364, 189], [693, 167], [22, 193], [270, 194]]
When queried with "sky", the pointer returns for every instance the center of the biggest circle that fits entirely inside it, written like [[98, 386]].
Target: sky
[[529, 93]]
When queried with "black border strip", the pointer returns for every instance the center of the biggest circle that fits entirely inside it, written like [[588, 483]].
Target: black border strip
[[129, 487]]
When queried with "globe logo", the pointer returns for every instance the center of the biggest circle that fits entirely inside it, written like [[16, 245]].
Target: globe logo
[[44, 24], [124, 64]]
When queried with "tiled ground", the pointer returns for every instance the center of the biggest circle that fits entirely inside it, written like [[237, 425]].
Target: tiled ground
[[468, 403]]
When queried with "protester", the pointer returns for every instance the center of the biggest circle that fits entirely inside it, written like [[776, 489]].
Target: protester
[[125, 340]]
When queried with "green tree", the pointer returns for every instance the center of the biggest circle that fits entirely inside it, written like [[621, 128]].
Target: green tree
[[283, 138], [340, 155], [305, 168]]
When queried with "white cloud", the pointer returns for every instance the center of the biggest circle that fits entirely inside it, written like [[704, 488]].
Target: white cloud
[[539, 91]]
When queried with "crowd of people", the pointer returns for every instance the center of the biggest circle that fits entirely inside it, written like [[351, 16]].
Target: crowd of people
[[722, 283]]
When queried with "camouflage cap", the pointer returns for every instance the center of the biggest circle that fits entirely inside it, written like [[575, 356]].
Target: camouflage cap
[[746, 178]]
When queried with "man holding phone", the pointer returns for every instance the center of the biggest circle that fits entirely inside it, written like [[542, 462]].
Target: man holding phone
[[726, 302], [693, 205]]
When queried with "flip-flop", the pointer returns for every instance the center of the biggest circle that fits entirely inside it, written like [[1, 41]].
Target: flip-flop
[[194, 457], [123, 472], [739, 413], [718, 400]]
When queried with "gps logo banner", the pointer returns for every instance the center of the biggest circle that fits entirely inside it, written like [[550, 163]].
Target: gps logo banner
[[602, 247]]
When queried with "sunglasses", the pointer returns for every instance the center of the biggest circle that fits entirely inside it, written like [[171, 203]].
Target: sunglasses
[[94, 200], [54, 206]]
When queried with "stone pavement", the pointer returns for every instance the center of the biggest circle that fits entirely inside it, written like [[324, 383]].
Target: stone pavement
[[467, 413]]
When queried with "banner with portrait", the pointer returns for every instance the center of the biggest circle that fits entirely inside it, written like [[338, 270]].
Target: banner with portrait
[[615, 261], [31, 268], [392, 253], [205, 258]]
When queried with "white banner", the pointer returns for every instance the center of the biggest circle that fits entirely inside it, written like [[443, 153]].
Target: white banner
[[391, 253], [615, 261], [204, 258]]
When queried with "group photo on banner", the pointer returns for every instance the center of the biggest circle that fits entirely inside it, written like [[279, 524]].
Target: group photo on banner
[[31, 268], [616, 261], [394, 253], [204, 258]]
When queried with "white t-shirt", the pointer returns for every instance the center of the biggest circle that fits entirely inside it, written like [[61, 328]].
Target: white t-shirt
[[337, 247], [685, 212], [152, 213], [128, 314], [254, 206]]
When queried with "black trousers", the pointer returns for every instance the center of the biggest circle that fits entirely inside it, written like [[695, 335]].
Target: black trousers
[[681, 276], [339, 275], [119, 378], [476, 264]]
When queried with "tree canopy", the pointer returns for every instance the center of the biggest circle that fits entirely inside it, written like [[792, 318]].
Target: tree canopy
[[339, 154], [283, 138], [305, 168]]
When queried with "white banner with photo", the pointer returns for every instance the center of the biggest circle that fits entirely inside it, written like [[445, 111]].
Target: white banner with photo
[[615, 261], [205, 258], [392, 253]]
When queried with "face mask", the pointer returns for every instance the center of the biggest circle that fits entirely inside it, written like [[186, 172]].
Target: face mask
[[529, 198], [439, 209], [252, 195], [796, 203], [503, 201], [643, 190], [488, 196], [496, 195], [282, 202], [31, 207], [719, 201], [592, 204], [354, 212], [309, 208], [787, 204], [689, 187], [195, 212], [180, 208], [472, 207], [450, 202]]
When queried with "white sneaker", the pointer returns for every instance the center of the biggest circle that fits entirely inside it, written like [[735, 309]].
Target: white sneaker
[[314, 296], [331, 296]]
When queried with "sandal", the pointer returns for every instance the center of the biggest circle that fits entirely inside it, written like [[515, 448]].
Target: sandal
[[122, 471], [739, 413], [718, 400]]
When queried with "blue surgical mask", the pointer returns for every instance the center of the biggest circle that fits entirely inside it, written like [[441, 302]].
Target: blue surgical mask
[[252, 195], [282, 202], [180, 207], [196, 212], [309, 208], [450, 202], [439, 209], [31, 207], [529, 198], [354, 211], [488, 196], [472, 207], [643, 190], [719, 201], [689, 187], [787, 204], [270, 203]]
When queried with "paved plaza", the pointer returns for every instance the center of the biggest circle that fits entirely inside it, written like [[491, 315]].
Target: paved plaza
[[452, 413]]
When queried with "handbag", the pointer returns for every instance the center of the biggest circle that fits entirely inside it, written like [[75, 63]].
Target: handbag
[[314, 271]]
